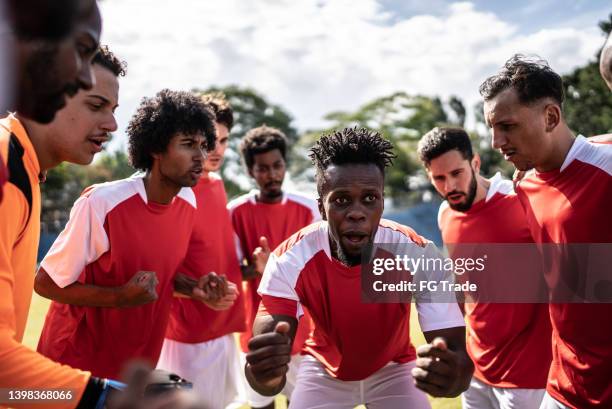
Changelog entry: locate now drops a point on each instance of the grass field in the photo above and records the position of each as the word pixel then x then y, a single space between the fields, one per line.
pixel 40 305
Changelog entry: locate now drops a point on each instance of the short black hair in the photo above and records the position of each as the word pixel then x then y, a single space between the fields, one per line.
pixel 261 140
pixel 107 59
pixel 438 141
pixel 221 107
pixel 531 77
pixel 350 146
pixel 160 118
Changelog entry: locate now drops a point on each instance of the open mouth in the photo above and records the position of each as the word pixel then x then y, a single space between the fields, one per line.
pixel 98 142
pixel 196 172
pixel 454 198
pixel 508 154
pixel 354 237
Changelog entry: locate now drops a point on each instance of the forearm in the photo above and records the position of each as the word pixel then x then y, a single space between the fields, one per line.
pixel 86 295
pixel 184 285
pixel 249 272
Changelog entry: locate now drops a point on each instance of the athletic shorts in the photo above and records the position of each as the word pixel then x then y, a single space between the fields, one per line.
pixel 482 396
pixel 390 387
pixel 213 367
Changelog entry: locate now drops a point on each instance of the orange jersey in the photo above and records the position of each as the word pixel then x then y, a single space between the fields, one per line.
pixel 20 367
pixel 509 343
pixel 572 205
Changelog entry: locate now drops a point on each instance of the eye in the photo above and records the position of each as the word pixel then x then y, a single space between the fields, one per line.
pixel 370 198
pixel 95 107
pixel 341 200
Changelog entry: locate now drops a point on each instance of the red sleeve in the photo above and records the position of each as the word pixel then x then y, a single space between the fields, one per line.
pixel 271 305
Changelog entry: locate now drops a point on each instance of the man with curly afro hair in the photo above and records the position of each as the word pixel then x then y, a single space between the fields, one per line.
pixel 117 261
pixel 358 353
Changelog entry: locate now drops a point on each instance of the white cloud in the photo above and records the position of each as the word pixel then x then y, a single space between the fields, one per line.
pixel 314 57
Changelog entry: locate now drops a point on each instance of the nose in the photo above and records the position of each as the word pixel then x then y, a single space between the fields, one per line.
pixel 110 124
pixel 356 213
pixel 449 185
pixel 498 139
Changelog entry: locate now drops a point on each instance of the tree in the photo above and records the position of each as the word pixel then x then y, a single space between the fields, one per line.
pixel 403 119
pixel 65 183
pixel 588 103
pixel 251 110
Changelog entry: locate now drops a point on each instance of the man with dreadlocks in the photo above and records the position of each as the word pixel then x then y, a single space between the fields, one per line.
pixel 357 353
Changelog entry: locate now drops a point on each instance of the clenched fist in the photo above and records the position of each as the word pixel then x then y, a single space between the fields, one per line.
pixel 141 289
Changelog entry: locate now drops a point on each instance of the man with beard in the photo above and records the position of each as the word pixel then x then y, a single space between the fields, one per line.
pixel 113 270
pixel 508 343
pixel 263 219
pixel 566 202
pixel 358 353
pixel 28 156
pixel 52 58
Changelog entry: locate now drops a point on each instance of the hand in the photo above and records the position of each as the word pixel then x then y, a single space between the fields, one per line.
pixel 226 301
pixel 269 355
pixel 139 290
pixel 261 255
pixel 135 396
pixel 210 288
pixel 438 370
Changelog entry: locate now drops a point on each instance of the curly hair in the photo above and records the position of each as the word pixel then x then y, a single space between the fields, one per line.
pixel 160 118
pixel 531 77
pixel 438 141
pixel 261 140
pixel 108 60
pixel 350 146
pixel 221 107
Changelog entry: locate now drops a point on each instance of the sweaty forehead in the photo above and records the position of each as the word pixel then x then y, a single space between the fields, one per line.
pixel 502 105
pixel 91 24
pixel 353 176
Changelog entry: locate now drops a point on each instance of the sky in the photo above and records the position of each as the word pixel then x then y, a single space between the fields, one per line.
pixel 317 56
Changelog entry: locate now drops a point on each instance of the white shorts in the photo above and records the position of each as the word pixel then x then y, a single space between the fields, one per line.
pixel 213 367
pixel 256 400
pixel 390 387
pixel 483 396
pixel 551 403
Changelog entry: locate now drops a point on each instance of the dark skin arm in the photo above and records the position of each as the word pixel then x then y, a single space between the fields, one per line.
pixel 213 290
pixel 443 367
pixel 269 353
pixel 139 290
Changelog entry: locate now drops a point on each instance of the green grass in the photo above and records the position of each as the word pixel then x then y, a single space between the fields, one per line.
pixel 39 307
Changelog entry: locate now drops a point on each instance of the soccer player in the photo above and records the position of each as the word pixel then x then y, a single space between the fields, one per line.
pixel 53 58
pixel 566 201
pixel 200 345
pixel 124 243
pixel 358 353
pixel 264 219
pixel 508 343
pixel 29 154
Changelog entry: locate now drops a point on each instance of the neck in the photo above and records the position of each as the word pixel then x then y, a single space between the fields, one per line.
pixel 159 188
pixel 40 137
pixel 269 200
pixel 482 188
pixel 563 141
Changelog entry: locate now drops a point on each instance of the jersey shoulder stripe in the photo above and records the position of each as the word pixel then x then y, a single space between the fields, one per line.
pixel 598 155
pixel 305 201
pixel 241 200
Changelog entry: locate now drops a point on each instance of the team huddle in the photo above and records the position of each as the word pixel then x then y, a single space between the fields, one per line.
pixel 235 303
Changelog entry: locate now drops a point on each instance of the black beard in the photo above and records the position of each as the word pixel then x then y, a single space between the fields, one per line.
pixel 471 195
pixel 341 256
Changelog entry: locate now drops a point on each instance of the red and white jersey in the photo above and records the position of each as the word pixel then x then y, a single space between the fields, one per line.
pixel 509 343
pixel 113 233
pixel 350 338
pixel 572 205
pixel 251 220
pixel 212 248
